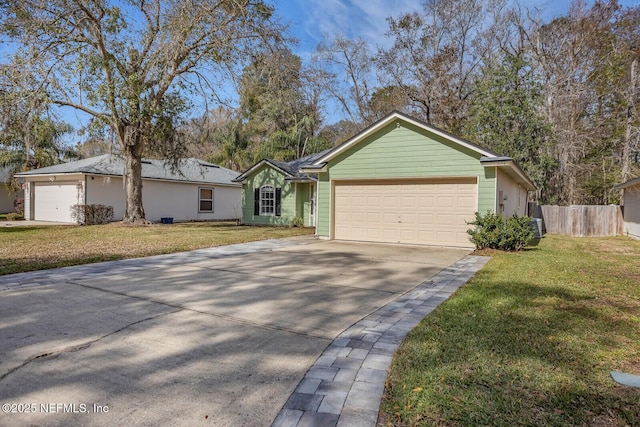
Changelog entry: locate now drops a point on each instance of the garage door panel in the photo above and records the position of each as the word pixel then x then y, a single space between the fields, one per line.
pixel 462 219
pixel 426 235
pixel 426 219
pixel 425 212
pixel 446 220
pixel 390 218
pixel 374 233
pixel 374 200
pixel 388 234
pixel 409 202
pixel 53 201
pixel 462 238
pixel 359 201
pixel 427 201
pixel 358 217
pixel 374 217
pixel 390 200
pixel 411 218
pixel 445 202
pixel 466 202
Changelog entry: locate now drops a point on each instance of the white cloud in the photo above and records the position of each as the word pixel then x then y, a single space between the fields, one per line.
pixel 312 19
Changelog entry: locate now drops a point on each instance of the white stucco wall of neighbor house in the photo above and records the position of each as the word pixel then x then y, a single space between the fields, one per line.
pixel 632 211
pixel 514 196
pixel 161 199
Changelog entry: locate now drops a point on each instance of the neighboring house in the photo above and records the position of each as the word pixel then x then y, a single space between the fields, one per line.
pixel 7 197
pixel 275 192
pixel 631 203
pixel 197 191
pixel 398 181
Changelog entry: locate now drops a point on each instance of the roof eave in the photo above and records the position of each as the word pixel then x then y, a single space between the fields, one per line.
pixel 627 184
pixel 152 178
pixel 315 168
pixel 301 179
pixel 40 175
pixel 249 171
pixel 511 168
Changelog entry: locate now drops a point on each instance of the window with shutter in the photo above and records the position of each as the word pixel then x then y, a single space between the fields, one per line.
pixel 267 200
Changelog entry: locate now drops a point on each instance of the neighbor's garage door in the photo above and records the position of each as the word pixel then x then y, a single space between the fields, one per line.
pixel 430 212
pixel 53 201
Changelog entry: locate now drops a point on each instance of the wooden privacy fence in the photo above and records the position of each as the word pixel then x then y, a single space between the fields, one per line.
pixel 581 220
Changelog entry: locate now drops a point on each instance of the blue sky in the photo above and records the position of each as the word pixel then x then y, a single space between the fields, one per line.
pixel 310 19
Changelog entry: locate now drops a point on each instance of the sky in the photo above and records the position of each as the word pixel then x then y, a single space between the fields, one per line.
pixel 310 19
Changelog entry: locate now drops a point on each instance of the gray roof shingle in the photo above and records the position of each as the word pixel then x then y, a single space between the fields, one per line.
pixel 293 167
pixel 190 170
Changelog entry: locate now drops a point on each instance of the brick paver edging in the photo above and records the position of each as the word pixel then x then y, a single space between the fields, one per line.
pixel 345 385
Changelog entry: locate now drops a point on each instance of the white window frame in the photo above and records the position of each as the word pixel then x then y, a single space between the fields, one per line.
pixel 267 200
pixel 200 199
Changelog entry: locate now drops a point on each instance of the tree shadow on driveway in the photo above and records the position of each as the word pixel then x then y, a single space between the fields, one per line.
pixel 222 341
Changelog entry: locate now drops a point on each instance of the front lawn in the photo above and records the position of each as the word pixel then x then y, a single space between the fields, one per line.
pixel 529 341
pixel 36 248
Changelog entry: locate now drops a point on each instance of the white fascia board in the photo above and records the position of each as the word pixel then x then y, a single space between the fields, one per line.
pixel 244 175
pixel 314 169
pixel 41 177
pixel 80 175
pixel 512 169
pixel 391 118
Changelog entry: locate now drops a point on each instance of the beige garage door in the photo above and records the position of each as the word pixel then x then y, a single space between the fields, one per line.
pixel 53 201
pixel 414 212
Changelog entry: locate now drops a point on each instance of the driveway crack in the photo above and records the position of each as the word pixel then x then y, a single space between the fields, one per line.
pixel 79 347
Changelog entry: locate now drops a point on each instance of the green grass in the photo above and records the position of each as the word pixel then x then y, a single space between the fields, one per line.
pixel 36 248
pixel 529 341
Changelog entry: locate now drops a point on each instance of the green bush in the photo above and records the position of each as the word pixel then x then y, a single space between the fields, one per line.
pixel 297 222
pixel 493 231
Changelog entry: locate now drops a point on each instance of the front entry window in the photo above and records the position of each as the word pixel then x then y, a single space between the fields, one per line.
pixel 267 200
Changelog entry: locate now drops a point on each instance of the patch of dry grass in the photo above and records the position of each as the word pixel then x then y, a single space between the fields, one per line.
pixel 36 248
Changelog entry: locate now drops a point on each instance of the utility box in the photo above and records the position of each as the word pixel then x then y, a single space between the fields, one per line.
pixel 537 227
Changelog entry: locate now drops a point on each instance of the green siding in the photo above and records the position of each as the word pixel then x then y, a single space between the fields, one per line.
pixel 404 151
pixel 266 175
pixel 294 198
pixel 324 205
pixel 487 192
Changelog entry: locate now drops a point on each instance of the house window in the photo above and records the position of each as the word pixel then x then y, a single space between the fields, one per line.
pixel 205 200
pixel 267 200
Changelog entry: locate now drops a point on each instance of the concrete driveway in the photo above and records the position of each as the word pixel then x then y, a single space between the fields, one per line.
pixel 220 336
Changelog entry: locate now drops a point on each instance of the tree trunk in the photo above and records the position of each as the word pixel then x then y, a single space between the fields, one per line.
pixel 626 149
pixel 134 213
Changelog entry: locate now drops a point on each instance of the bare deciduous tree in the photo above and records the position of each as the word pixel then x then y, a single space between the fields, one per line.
pixel 131 64
pixel 437 53
pixel 349 76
